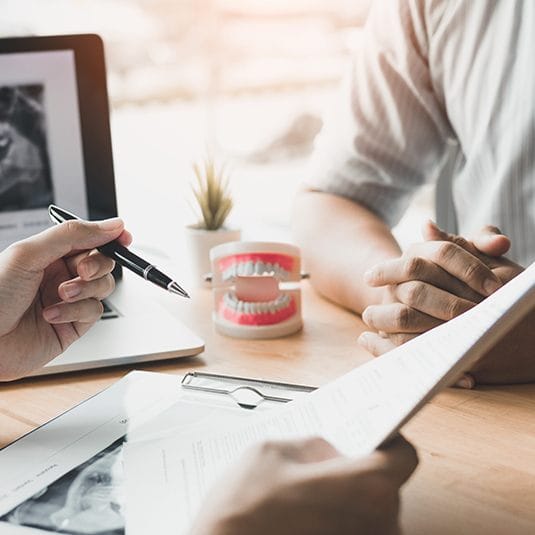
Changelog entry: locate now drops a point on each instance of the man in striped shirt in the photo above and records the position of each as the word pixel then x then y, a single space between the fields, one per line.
pixel 439 91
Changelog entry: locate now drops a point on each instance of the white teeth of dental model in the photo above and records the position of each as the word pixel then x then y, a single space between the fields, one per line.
pixel 245 307
pixel 249 268
pixel 229 273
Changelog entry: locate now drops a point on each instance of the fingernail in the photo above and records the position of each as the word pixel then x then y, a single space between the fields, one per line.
pixel 72 290
pixel 368 276
pixel 90 268
pixel 50 314
pixel 111 224
pixel 491 238
pixel 491 285
pixel 465 382
pixel 363 338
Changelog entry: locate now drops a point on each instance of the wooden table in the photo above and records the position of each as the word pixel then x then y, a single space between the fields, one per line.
pixel 477 448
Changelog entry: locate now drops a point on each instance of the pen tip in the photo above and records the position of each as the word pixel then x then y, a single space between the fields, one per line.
pixel 176 289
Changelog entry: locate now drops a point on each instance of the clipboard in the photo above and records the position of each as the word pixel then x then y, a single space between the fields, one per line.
pixel 42 466
pixel 248 393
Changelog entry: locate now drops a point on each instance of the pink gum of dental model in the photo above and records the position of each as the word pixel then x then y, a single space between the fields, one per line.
pixel 252 297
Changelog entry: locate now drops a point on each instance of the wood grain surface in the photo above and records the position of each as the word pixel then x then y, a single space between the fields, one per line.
pixel 477 448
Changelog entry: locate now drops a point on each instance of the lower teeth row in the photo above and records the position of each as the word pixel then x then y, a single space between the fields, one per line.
pixel 246 307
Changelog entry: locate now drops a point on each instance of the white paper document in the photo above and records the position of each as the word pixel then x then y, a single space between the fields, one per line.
pixel 67 476
pixel 168 478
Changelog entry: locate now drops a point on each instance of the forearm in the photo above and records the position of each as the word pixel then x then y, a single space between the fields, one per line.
pixel 340 240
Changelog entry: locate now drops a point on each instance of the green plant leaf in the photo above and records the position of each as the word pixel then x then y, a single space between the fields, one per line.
pixel 212 194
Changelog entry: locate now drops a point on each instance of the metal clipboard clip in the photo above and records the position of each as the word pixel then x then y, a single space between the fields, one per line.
pixel 247 393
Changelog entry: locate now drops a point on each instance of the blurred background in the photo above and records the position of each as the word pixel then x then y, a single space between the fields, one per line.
pixel 246 80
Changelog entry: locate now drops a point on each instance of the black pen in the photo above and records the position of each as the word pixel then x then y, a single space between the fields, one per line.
pixel 124 257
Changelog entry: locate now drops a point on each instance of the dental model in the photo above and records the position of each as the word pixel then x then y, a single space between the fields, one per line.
pixel 255 288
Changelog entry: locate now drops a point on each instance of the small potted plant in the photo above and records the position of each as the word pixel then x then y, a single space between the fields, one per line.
pixel 214 204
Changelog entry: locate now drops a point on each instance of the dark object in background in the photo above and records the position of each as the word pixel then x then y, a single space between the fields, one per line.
pixel 25 177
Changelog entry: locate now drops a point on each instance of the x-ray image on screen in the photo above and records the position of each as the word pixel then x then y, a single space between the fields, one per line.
pixel 25 178
pixel 41 151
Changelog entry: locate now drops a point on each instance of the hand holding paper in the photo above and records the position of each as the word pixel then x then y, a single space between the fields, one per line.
pixel 308 487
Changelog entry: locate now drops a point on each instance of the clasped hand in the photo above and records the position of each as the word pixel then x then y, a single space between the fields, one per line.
pixel 433 282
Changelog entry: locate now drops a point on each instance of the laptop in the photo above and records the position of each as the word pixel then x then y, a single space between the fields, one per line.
pixel 55 147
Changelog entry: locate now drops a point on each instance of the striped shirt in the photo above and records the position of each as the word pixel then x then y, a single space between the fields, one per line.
pixel 440 90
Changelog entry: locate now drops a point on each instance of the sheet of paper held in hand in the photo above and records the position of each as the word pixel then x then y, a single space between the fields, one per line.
pixel 168 478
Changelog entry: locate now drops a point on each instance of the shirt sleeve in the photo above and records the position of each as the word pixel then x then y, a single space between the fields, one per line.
pixel 386 133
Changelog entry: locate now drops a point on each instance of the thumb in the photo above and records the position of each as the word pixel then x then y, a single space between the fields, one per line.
pixel 39 251
pixel 490 241
pixel 431 232
pixel 395 460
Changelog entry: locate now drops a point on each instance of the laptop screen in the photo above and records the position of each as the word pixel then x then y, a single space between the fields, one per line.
pixel 41 157
pixel 54 133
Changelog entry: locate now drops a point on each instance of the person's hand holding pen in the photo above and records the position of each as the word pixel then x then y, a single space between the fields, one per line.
pixel 51 286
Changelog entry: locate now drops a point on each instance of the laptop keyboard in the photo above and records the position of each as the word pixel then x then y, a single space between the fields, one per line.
pixel 109 311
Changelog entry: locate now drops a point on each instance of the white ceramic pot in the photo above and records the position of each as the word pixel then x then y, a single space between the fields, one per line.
pixel 199 242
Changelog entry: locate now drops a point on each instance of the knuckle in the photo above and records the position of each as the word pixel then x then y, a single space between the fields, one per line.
pixel 473 271
pixel 80 229
pixel 110 284
pixel 446 251
pixel 72 227
pixel 413 293
pixel 414 266
pixel 17 253
pixel 454 308
pixel 399 339
pixel 402 318
pixel 461 242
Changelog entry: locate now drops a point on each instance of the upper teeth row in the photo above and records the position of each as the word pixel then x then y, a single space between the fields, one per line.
pixel 246 307
pixel 245 269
